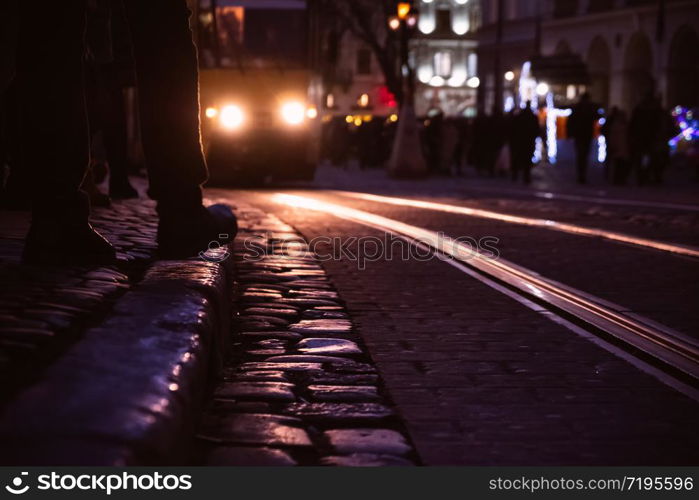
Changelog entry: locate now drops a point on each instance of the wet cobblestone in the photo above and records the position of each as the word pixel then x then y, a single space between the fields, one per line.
pixel 299 387
pixel 44 310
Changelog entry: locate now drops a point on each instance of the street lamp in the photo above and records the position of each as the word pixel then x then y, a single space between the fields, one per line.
pixel 403 22
pixel 403 10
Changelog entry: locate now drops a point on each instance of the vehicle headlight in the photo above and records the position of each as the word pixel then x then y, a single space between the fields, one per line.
pixel 232 117
pixel 312 113
pixel 211 112
pixel 293 113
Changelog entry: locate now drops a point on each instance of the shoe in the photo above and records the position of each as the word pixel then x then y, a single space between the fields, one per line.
pixel 185 235
pixel 60 234
pixel 67 245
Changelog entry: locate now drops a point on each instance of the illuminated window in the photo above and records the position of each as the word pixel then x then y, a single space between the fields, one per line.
pixel 472 64
pixel 363 101
pixel 443 64
pixel 476 17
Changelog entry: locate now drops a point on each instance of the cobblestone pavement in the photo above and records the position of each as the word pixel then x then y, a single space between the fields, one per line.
pixel 657 285
pixel 44 310
pixel 299 387
pixel 401 363
pixel 480 379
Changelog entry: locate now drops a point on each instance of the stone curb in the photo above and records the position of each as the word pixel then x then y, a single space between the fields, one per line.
pixel 131 388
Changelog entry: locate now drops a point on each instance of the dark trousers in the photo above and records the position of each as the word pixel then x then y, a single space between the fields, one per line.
pixel 54 131
pixel 521 161
pixel 582 154
pixel 107 114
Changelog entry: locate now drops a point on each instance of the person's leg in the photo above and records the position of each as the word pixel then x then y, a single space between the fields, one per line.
pixel 514 168
pixel 18 184
pixel 116 141
pixel 168 86
pixel 53 122
pixel 527 166
pixel 582 152
pixel 54 133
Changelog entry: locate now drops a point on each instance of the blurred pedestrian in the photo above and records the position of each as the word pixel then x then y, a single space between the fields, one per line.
pixel 14 186
pixel 581 126
pixel 339 139
pixel 109 72
pixel 450 142
pixel 15 191
pixel 50 76
pixel 388 136
pixel 524 129
pixel 461 127
pixel 369 142
pixel 651 128
pixel 434 140
pixel 616 134
pixel 489 138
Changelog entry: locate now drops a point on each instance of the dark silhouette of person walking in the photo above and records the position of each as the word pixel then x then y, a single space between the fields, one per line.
pixel 523 133
pixel 616 133
pixel 581 125
pixel 50 67
pixel 650 129
pixel 109 72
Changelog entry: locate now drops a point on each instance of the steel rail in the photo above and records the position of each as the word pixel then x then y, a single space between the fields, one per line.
pixel 591 198
pixel 670 348
pixel 564 227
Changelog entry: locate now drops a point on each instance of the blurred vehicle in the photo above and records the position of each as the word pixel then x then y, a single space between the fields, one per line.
pixel 257 91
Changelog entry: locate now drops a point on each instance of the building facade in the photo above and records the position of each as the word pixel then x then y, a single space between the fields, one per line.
pixel 443 53
pixel 630 47
pixel 626 48
pixel 354 83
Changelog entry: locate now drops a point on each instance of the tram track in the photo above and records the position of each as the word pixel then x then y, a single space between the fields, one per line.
pixel 564 227
pixel 668 354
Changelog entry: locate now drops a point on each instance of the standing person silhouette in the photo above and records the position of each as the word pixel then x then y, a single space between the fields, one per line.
pixel 523 134
pixel 581 127
pixel 54 132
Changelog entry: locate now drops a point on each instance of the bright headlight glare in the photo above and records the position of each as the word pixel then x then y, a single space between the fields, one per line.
pixel 232 117
pixel 312 113
pixel 293 113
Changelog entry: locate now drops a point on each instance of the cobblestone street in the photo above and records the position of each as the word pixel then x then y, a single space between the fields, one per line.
pixel 309 346
pixel 480 379
pixel 299 387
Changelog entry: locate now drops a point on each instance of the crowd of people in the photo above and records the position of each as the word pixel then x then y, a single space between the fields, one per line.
pixel 639 145
pixel 504 144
